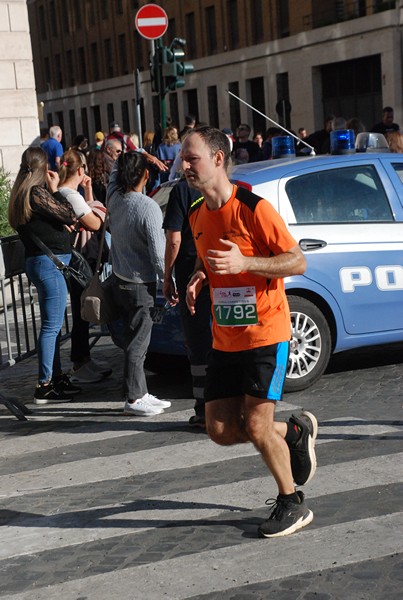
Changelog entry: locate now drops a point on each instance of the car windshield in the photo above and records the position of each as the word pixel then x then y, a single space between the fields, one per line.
pixel 344 195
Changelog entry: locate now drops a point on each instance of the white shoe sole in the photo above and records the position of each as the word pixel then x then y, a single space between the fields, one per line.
pixel 311 444
pixel 160 404
pixel 302 522
pixel 43 401
pixel 132 413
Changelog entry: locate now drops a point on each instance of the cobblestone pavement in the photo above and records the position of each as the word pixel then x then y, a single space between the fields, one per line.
pixel 95 505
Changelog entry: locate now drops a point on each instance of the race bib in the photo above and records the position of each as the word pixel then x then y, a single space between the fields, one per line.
pixel 235 307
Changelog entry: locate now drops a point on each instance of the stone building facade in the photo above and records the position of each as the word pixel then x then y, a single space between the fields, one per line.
pixel 19 124
pixel 294 61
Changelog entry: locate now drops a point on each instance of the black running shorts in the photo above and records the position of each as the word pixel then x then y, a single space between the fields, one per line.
pixel 259 372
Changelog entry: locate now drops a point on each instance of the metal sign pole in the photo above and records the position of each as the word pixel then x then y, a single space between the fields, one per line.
pixel 138 97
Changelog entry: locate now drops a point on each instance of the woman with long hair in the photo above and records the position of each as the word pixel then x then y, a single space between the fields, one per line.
pixel 395 141
pixel 168 150
pixel 97 170
pixel 37 208
pixel 90 214
pixel 137 256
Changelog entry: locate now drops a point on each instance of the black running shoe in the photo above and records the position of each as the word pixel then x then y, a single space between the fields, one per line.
pixel 48 394
pixel 302 452
pixel 63 385
pixel 197 421
pixel 286 517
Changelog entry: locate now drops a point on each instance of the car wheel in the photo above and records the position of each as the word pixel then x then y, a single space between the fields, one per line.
pixel 310 345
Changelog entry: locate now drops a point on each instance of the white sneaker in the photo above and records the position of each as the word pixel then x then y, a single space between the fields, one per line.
pixel 154 401
pixel 141 408
pixel 85 375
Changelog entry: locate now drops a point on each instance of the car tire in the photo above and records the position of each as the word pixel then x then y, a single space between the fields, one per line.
pixel 311 345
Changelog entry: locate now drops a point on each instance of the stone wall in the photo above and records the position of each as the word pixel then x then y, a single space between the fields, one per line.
pixel 19 124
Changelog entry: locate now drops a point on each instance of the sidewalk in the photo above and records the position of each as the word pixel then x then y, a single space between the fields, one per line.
pixel 19 381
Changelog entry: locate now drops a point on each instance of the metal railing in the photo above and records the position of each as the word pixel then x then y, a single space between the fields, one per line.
pixel 20 319
pixel 19 307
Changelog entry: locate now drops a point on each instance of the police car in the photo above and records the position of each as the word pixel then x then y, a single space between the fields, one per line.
pixel 346 213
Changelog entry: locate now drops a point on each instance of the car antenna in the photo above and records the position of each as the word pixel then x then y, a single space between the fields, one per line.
pixel 312 149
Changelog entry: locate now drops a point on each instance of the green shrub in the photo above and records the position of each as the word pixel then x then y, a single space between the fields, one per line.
pixel 5 189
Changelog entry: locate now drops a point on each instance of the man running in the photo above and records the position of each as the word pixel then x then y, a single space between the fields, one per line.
pixel 244 252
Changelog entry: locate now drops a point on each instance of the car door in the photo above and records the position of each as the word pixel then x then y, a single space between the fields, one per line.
pixel 345 219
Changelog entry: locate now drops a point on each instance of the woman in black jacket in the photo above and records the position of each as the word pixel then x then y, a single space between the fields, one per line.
pixel 37 208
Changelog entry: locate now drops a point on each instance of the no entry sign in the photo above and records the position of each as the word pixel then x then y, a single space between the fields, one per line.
pixel 151 21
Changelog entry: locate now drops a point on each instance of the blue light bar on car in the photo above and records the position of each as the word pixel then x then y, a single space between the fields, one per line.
pixel 283 147
pixel 342 141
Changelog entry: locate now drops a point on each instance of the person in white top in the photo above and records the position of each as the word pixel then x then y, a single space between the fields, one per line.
pixel 90 215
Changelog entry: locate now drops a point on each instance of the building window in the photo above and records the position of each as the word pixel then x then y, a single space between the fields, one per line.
pixel 211 30
pixel 257 99
pixel 192 103
pixel 119 7
pixel 190 36
pixel 48 82
pixel 59 74
pixel 69 68
pixel 125 116
pixel 65 17
pixel 234 108
pixel 123 54
pixel 53 19
pixel 110 112
pixel 105 10
pixel 81 66
pixel 256 19
pixel 233 28
pixel 353 87
pixel 283 19
pixel 84 122
pixel 108 58
pixel 42 23
pixel 73 127
pixel 96 117
pixel 94 60
pixel 171 29
pixel 174 109
pixel 91 13
pixel 212 106
pixel 60 121
pixel 77 14
pixel 138 50
pixel 283 107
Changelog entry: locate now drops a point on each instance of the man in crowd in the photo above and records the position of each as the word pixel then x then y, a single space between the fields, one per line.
pixel 180 257
pixel 244 251
pixel 243 143
pixel 386 125
pixel 53 147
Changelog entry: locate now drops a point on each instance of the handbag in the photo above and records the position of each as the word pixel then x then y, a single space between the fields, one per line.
pixel 78 268
pixel 97 304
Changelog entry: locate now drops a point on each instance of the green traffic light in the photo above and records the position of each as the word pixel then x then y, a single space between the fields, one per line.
pixel 172 67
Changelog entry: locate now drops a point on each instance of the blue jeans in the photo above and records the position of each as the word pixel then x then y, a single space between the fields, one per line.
pixel 52 295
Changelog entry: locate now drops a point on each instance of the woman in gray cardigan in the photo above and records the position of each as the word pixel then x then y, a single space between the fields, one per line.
pixel 137 256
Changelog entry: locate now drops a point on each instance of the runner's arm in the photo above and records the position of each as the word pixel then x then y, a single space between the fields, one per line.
pixel 232 261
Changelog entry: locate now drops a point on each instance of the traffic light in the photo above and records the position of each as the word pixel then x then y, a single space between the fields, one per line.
pixel 174 69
